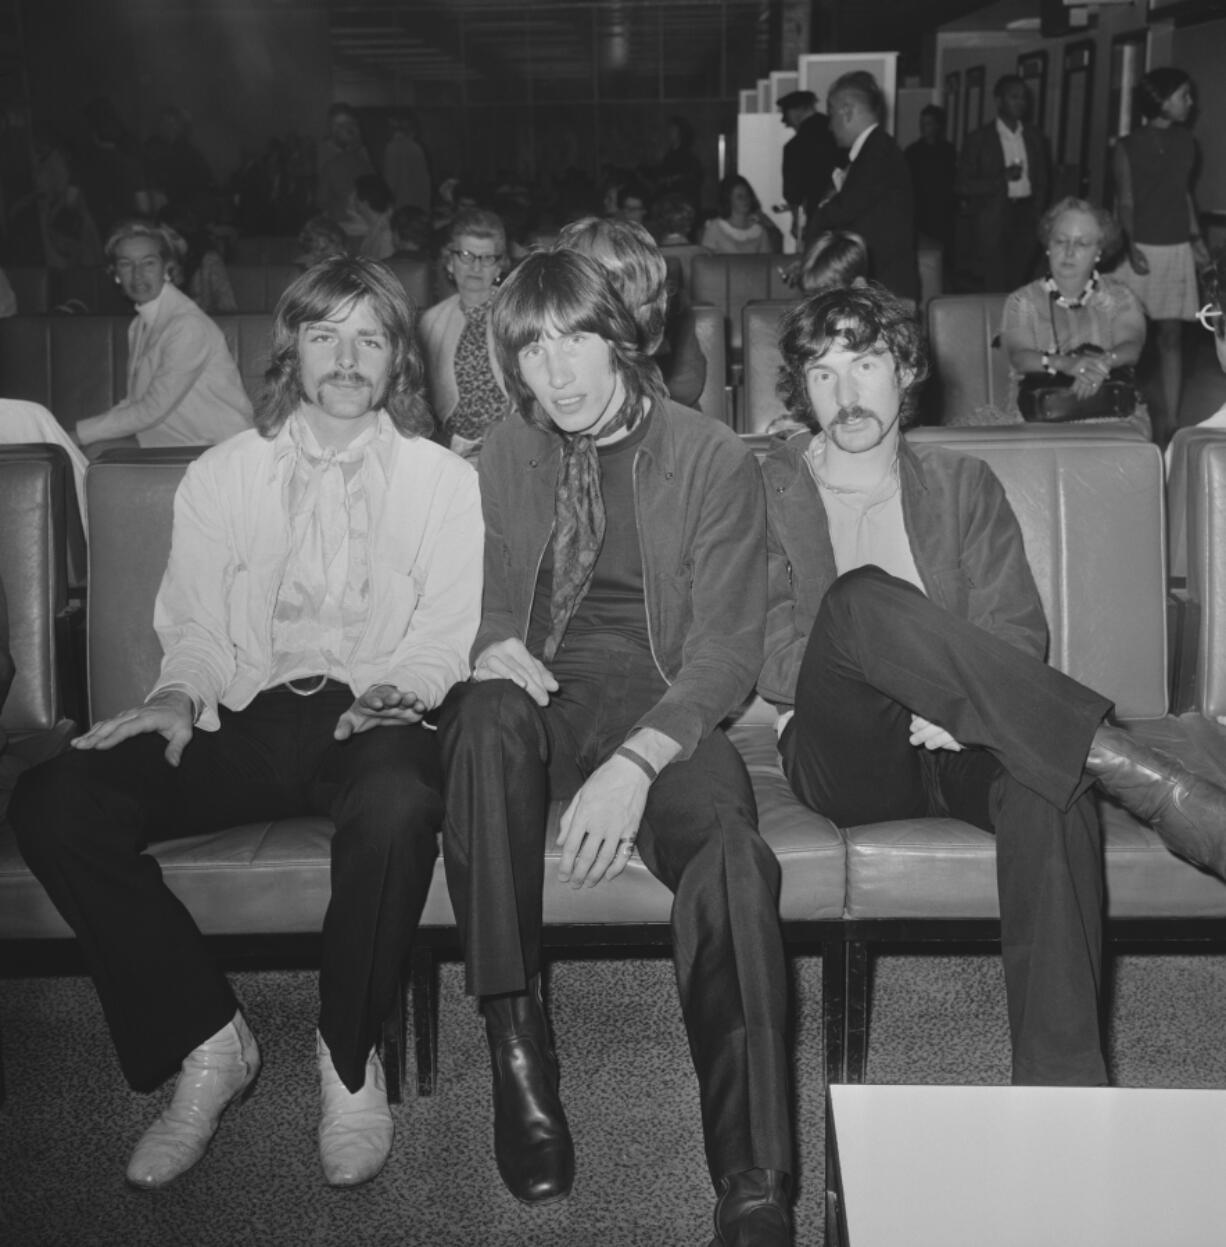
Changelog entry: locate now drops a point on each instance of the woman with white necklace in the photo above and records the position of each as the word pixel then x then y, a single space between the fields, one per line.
pixel 1075 323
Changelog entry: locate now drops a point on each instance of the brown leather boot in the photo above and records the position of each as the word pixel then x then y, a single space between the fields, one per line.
pixel 753 1210
pixel 1187 810
pixel 532 1142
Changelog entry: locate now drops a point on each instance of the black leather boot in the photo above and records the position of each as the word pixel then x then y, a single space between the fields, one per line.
pixel 1187 810
pixel 532 1142
pixel 753 1210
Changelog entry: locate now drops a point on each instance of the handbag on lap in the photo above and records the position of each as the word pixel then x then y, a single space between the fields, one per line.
pixel 1048 398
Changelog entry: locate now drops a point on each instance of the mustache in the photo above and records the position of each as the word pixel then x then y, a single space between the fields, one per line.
pixel 347 378
pixel 845 415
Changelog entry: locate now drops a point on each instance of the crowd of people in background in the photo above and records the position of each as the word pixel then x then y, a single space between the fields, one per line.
pixel 972 215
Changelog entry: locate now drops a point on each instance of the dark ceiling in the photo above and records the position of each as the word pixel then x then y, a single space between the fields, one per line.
pixel 688 46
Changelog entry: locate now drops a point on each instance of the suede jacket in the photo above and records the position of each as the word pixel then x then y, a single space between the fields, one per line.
pixel 964 537
pixel 702 534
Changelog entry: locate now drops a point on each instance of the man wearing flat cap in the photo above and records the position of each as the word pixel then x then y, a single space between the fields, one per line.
pixel 809 157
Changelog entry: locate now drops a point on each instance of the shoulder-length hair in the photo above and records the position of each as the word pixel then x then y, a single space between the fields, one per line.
pixel 635 265
pixel 325 292
pixel 170 243
pixel 560 292
pixel 860 318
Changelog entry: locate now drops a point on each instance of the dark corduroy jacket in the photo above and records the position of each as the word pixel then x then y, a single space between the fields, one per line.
pixel 964 538
pixel 701 523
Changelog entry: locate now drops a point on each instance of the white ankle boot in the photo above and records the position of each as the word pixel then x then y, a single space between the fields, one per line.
pixel 214 1074
pixel 355 1127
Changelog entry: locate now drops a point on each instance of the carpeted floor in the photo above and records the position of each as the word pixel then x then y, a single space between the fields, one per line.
pixel 69 1122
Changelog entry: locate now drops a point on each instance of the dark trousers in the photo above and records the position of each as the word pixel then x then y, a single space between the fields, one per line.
pixel 881 651
pixel 506 758
pixel 84 819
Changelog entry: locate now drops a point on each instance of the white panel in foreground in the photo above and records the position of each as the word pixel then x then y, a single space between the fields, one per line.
pixel 1031 1166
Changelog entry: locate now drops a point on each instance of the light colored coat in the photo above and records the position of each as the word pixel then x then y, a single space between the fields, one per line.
pixel 183 384
pixel 230 543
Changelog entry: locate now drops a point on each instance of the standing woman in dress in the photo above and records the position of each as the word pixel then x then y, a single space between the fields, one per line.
pixel 1153 168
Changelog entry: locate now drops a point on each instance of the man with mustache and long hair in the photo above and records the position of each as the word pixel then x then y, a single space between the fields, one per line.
pixel 323 588
pixel 905 645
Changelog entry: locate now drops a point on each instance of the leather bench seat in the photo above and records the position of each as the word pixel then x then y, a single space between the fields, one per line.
pixel 272 878
pixel 942 869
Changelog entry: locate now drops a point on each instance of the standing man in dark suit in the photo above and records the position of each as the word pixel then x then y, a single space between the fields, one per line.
pixel 809 158
pixel 874 198
pixel 1003 171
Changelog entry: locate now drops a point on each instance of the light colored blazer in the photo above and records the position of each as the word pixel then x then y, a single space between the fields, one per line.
pixel 183 384
pixel 229 547
pixel 439 331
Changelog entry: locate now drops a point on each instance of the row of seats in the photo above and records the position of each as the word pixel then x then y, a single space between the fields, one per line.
pixel 256 286
pixel 77 366
pixel 1092 515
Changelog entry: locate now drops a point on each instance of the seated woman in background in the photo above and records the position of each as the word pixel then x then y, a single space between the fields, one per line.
pixel 183 385
pixel 320 239
pixel 741 228
pixel 1076 323
pixel 466 389
pixel 203 274
pixel 834 259
pixel 639 276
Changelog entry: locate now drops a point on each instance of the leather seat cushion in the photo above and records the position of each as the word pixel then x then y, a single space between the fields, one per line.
pixel 273 878
pixel 943 869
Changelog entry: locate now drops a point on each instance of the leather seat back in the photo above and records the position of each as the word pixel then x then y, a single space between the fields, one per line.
pixel 35 491
pixel 1207 573
pixel 1092 515
pixel 967 370
pixel 762 359
pixel 32 288
pixel 257 287
pixel 1184 451
pixel 263 250
pixel 709 330
pixel 416 274
pixel 75 366
pixel 131 511
pixel 728 282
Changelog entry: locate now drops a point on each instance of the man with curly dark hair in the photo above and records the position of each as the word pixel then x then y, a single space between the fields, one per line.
pixel 905 645
pixel 323 588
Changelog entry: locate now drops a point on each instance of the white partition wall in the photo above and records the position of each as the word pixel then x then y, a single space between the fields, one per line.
pixel 818 71
pixel 759 157
pixel 783 82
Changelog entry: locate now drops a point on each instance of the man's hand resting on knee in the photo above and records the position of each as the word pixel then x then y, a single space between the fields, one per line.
pixel 510 660
pixel 382 705
pixel 168 712
pixel 931 736
pixel 601 822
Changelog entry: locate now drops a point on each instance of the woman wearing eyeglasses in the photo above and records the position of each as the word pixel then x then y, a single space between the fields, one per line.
pixel 466 387
pixel 1077 327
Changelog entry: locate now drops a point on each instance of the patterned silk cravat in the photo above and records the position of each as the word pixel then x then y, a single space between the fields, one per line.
pixel 578 526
